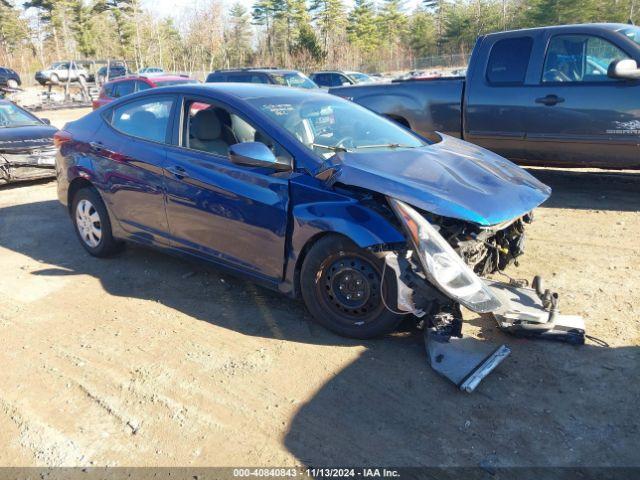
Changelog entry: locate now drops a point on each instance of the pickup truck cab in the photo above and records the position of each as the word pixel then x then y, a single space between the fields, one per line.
pixel 556 96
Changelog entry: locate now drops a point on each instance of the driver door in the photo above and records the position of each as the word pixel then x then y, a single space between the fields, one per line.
pixel 577 114
pixel 235 215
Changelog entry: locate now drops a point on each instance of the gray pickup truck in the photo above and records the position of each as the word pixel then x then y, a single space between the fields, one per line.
pixel 564 96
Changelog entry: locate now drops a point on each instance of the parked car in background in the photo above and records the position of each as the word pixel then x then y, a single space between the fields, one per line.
pixel 26 145
pixel 566 96
pixel 127 85
pixel 301 191
pixel 61 72
pixel 150 71
pixel 114 71
pixel 9 78
pixel 336 78
pixel 288 78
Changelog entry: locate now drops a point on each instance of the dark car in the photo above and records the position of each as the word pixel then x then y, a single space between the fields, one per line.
pixel 9 78
pixel 115 71
pixel 287 78
pixel 128 85
pixel 26 145
pixel 564 96
pixel 303 192
pixel 337 78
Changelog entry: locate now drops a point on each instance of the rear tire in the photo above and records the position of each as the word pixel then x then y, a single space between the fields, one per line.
pixel 92 224
pixel 342 287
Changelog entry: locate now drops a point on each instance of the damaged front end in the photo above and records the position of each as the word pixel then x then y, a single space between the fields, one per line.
pixel 30 163
pixel 440 271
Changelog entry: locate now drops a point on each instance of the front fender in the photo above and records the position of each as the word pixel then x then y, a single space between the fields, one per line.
pixel 347 217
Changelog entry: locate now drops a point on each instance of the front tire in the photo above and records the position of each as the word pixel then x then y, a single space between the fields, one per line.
pixel 92 224
pixel 342 287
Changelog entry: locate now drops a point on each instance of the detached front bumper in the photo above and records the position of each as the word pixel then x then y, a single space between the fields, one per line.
pixel 466 361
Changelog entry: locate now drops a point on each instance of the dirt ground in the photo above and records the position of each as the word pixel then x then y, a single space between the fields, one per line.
pixel 144 359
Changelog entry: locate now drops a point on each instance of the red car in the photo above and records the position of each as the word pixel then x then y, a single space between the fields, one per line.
pixel 124 86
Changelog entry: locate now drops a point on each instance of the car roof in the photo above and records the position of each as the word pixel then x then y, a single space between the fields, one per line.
pixel 243 91
pixel 570 28
pixel 155 78
pixel 259 70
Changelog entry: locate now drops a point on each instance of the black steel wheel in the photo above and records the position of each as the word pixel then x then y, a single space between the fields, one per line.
pixel 342 287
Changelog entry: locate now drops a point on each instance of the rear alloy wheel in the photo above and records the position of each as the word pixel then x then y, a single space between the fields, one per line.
pixel 342 287
pixel 92 224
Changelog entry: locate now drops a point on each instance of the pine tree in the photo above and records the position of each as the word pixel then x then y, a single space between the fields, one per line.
pixel 362 29
pixel 330 17
pixel 238 35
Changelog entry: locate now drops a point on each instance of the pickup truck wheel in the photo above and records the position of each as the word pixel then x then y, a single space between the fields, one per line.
pixel 92 225
pixel 342 287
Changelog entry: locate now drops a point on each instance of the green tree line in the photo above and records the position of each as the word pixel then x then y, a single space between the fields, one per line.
pixel 305 34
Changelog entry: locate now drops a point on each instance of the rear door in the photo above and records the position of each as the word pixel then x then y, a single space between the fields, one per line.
pixel 576 114
pixel 131 152
pixel 494 104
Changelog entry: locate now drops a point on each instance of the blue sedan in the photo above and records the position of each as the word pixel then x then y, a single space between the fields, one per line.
pixel 303 192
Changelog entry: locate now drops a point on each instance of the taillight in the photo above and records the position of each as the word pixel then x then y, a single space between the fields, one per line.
pixel 60 137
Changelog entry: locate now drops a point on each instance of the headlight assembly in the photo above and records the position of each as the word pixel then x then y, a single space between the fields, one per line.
pixel 442 265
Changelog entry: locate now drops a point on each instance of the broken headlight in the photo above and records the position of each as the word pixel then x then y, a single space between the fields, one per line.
pixel 442 265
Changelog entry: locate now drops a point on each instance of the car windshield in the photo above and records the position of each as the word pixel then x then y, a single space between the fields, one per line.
pixel 633 33
pixel 326 124
pixel 13 116
pixel 361 77
pixel 182 81
pixel 294 79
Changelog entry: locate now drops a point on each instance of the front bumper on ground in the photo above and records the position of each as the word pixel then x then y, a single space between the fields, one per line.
pixel 522 311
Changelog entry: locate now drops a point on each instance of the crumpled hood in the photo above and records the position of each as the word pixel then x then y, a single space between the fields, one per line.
pixel 452 178
pixel 22 138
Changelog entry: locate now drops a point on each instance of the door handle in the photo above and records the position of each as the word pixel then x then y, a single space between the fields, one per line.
pixel 178 171
pixel 550 100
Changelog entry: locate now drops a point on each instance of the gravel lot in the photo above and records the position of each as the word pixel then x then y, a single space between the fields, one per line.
pixel 145 359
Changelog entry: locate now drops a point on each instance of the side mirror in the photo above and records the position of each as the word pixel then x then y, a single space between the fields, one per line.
pixel 627 69
pixel 255 154
pixel 46 121
pixel 345 82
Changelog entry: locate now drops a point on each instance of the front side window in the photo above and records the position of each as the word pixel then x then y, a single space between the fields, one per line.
pixel 326 125
pixel 147 118
pixel 579 58
pixel 213 129
pixel 509 60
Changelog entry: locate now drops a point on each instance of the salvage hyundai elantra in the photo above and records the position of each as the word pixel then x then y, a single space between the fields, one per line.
pixel 311 195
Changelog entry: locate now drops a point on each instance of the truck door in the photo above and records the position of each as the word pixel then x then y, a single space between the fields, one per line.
pixel 576 114
pixel 494 115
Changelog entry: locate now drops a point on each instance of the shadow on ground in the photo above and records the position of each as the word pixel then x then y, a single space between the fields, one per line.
pixel 549 404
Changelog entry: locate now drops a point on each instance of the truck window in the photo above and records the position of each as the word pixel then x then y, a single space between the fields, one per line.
pixel 509 60
pixel 579 58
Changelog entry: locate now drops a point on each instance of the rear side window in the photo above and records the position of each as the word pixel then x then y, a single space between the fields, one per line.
pixel 142 86
pixel 147 118
pixel 216 77
pixel 509 60
pixel 121 89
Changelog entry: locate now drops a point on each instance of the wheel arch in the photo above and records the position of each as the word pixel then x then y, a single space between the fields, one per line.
pixel 334 219
pixel 76 185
